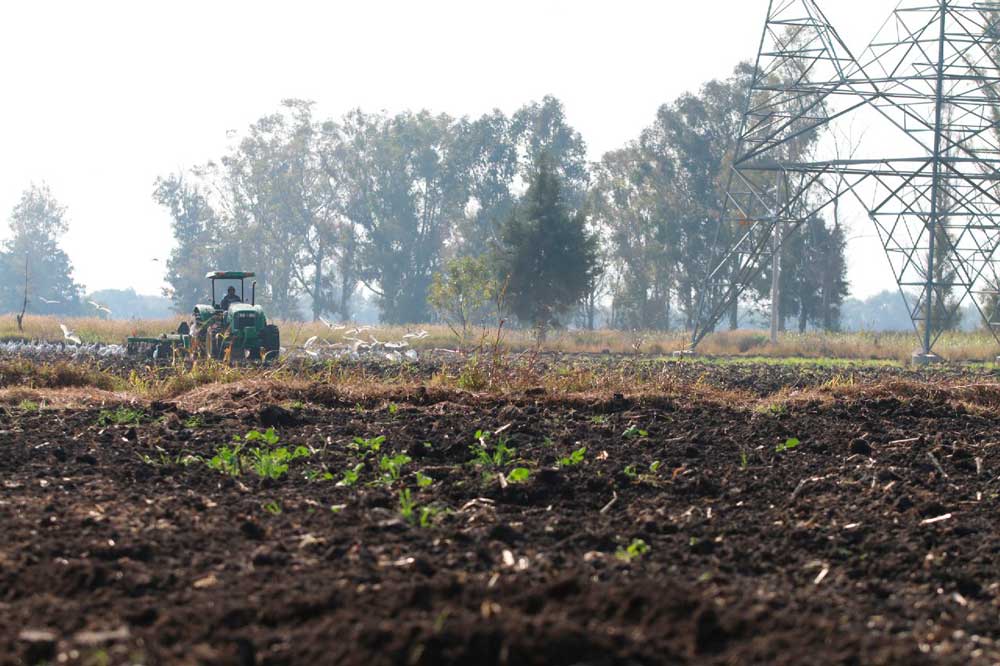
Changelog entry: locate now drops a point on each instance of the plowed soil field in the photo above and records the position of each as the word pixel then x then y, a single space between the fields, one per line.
pixel 845 523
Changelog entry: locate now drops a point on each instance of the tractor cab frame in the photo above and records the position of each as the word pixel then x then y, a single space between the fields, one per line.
pixel 241 277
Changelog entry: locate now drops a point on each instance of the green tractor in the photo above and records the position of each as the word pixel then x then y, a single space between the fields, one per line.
pixel 231 331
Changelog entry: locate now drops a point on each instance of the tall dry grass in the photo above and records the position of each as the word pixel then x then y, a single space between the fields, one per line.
pixel 957 346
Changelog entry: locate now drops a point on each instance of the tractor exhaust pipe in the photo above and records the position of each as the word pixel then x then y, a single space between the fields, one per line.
pixel 253 293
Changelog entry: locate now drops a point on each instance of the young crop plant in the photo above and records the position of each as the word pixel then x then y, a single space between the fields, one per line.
pixel 519 475
pixel 195 421
pixel 351 475
pixel 272 508
pixel 423 481
pixel 500 455
pixel 634 432
pixel 322 474
pixel 368 446
pixel 267 463
pixel 226 460
pixel 789 444
pixel 422 516
pixel 269 437
pixel 407 505
pixel 273 463
pixel 29 406
pixel 636 549
pixel 392 467
pixel 120 416
pixel 574 458
pixel 164 459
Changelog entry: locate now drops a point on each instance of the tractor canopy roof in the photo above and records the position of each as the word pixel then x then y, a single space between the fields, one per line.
pixel 228 275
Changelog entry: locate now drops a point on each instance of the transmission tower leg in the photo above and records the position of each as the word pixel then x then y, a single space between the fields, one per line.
pixel 776 284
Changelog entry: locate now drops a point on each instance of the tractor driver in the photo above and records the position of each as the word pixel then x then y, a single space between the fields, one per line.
pixel 230 298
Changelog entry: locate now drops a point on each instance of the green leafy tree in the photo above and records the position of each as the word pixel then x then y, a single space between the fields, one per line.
pixel 547 256
pixel 540 130
pixel 195 228
pixel 462 294
pixel 37 223
pixel 630 201
pixel 406 185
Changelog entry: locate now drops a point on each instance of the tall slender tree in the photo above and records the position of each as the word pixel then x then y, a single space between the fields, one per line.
pixel 548 259
pixel 37 223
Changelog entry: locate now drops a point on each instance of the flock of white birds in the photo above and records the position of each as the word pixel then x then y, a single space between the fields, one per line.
pixel 351 345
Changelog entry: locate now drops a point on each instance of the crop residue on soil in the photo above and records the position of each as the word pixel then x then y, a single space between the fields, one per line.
pixel 856 530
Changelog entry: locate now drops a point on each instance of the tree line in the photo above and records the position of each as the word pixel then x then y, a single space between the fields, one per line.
pixel 437 217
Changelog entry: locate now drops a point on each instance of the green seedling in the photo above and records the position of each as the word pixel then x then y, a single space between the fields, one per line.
pixel 789 444
pixel 273 464
pixel 407 505
pixel 574 458
pixel 164 459
pixel 351 475
pixel 266 463
pixel 269 437
pixel 195 421
pixel 393 409
pixel 120 416
pixel 392 467
pixel 744 460
pixel 599 419
pixel 413 514
pixel 634 432
pixel 272 508
pixel 636 549
pixel 369 445
pixel 654 467
pixel 28 406
pixel 423 480
pixel 501 455
pixel 226 460
pixel 519 475
pixel 631 472
pixel 318 475
pixel 427 515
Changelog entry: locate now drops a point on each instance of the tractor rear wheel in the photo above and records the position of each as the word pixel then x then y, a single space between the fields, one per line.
pixel 270 339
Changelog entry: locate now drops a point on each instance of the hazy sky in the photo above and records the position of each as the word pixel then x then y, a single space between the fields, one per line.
pixel 102 97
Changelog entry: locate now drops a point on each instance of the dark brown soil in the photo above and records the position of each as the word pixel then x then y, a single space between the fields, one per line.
pixel 873 541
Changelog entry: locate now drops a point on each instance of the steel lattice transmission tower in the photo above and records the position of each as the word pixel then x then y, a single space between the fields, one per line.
pixel 928 87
